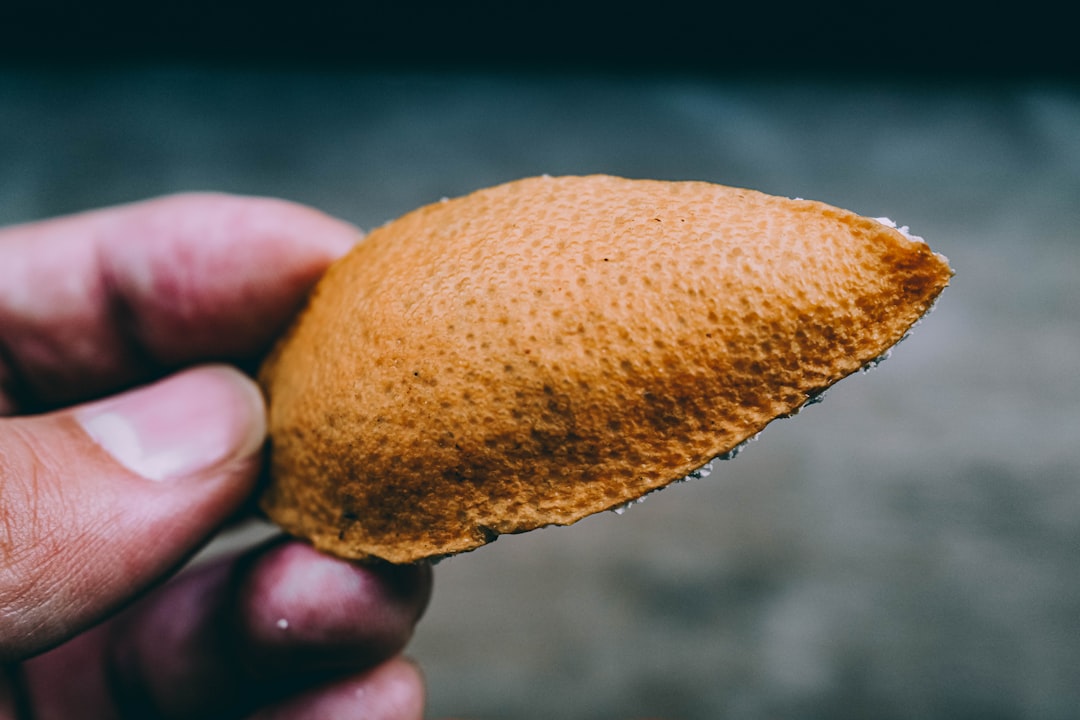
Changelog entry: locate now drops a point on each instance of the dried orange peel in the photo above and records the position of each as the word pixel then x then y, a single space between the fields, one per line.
pixel 539 351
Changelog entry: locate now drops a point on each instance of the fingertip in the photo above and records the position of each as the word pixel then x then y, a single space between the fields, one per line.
pixel 317 229
pixel 398 690
pixel 106 499
pixel 278 622
pixel 392 691
pixel 216 275
pixel 296 601
pixel 261 216
pixel 185 425
pixel 96 302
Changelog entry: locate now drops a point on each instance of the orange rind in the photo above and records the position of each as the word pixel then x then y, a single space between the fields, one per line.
pixel 546 349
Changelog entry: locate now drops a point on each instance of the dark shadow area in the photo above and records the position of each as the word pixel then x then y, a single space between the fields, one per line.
pixel 918 38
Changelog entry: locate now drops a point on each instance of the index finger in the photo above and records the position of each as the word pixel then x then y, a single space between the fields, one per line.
pixel 94 302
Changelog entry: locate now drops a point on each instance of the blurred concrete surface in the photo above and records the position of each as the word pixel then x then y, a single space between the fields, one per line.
pixel 910 548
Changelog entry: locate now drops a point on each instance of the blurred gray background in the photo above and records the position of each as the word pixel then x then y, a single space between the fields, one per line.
pixel 909 548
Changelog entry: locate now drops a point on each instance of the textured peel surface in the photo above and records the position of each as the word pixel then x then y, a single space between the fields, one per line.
pixel 542 350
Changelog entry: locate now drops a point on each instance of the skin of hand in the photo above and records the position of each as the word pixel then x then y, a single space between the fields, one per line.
pixel 129 437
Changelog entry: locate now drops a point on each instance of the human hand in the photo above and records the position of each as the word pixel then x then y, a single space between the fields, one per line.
pixel 106 490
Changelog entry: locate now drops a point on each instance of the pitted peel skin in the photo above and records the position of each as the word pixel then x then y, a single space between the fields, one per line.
pixel 542 350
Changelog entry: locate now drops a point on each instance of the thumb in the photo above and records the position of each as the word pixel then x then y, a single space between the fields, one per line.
pixel 99 501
